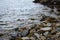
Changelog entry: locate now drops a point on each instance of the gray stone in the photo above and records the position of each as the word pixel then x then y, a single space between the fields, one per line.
pixel 58 29
pixel 13 34
pixel 19 34
pixel 24 33
pixel 1 38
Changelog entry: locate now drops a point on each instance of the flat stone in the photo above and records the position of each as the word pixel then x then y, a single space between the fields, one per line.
pixel 46 28
pixel 24 38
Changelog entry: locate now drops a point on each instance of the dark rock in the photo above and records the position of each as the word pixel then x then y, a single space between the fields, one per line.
pixel 53 33
pixel 1 35
pixel 51 39
pixel 16 29
pixel 52 11
pixel 12 39
pixel 36 1
pixel 18 19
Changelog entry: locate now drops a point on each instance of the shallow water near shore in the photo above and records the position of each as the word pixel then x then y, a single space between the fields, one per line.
pixel 12 10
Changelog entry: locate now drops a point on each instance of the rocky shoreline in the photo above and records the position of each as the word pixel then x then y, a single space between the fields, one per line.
pixel 48 28
pixel 50 3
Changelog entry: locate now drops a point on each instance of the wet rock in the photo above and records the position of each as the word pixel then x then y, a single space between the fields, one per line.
pixel 16 29
pixel 3 23
pixel 50 3
pixel 43 18
pixel 24 33
pixel 20 19
pixel 49 19
pixel 40 1
pixel 14 35
pixel 32 18
pixel 51 10
pixel 36 1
